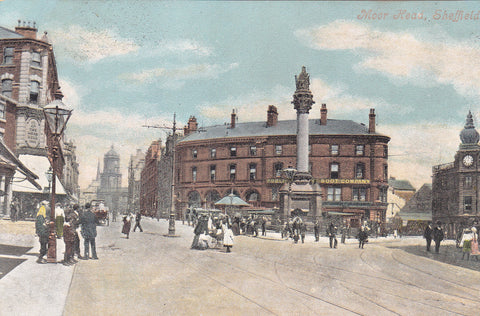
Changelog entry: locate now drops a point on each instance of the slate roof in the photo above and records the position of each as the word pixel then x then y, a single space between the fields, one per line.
pixel 6 33
pixel 400 184
pixel 288 127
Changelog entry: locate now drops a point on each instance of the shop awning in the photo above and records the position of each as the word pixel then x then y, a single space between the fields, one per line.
pixel 8 159
pixel 340 213
pixel 39 165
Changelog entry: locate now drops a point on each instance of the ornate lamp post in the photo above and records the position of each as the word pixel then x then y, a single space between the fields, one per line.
pixel 289 174
pixel 56 117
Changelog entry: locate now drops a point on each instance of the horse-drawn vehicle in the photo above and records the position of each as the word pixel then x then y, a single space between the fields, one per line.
pixel 100 211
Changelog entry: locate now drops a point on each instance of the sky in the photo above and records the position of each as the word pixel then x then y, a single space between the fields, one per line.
pixel 126 64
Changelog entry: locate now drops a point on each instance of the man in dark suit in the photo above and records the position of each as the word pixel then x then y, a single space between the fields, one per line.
pixel 438 235
pixel 89 231
pixel 427 234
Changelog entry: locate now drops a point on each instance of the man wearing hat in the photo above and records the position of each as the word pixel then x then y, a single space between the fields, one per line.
pixel 438 235
pixel 89 231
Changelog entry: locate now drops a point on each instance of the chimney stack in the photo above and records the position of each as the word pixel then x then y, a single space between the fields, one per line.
pixel 323 114
pixel 191 126
pixel 272 116
pixel 233 119
pixel 27 30
pixel 371 121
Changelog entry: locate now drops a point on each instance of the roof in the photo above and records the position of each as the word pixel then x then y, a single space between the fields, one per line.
pixel 400 184
pixel 232 200
pixel 7 34
pixel 288 127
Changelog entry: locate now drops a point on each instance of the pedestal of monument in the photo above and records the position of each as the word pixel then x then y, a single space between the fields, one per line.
pixel 303 195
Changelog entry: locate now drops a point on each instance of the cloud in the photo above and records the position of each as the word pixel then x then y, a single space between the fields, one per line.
pixel 179 46
pixel 94 132
pixel 339 102
pixel 88 46
pixel 179 74
pixel 402 56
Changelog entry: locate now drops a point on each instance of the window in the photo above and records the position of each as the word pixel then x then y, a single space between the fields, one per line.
pixel 360 171
pixel 359 150
pixel 194 174
pixel 233 171
pixel 334 194
pixel 278 149
pixel 309 149
pixel 334 171
pixel 213 152
pixel 212 173
pixel 385 151
pixel 385 172
pixel 34 87
pixel 2 113
pixel 233 151
pixel 253 171
pixel 253 150
pixel 334 150
pixel 467 203
pixel 359 194
pixel 275 194
pixel 383 194
pixel 468 182
pixel 194 153
pixel 36 61
pixel 8 55
pixel 277 169
pixel 7 87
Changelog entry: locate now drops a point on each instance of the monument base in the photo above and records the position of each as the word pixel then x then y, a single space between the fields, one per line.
pixel 303 198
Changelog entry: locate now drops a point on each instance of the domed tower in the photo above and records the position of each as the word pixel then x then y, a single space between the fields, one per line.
pixel 111 177
pixel 469 135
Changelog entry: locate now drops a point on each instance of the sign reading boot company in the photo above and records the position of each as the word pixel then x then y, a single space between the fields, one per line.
pixel 324 181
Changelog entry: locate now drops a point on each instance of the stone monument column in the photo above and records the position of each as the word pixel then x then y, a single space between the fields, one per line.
pixel 302 101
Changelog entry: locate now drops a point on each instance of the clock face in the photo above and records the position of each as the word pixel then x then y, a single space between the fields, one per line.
pixel 468 160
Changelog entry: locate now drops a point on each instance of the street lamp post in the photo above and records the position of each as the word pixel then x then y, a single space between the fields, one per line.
pixel 49 174
pixel 56 117
pixel 289 174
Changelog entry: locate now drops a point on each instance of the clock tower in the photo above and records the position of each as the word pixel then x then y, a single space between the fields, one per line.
pixel 456 185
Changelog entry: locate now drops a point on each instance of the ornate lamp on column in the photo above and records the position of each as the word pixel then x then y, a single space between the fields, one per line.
pixel 56 117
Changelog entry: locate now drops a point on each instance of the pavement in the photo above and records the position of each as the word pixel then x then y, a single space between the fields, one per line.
pixel 150 274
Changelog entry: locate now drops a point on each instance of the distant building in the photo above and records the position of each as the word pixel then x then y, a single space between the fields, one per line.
pixel 110 187
pixel 135 167
pixel 399 192
pixel 419 208
pixel 149 180
pixel 456 185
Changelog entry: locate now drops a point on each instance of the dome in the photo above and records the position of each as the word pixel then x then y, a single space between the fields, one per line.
pixel 111 153
pixel 469 134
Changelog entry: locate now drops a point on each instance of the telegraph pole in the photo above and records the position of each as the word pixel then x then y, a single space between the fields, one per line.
pixel 171 223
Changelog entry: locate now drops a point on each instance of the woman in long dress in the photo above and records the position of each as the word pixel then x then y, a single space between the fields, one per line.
pixel 126 225
pixel 475 252
pixel 228 238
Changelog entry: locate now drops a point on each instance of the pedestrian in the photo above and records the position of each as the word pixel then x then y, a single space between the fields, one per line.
pixel 198 230
pixel 114 216
pixel 316 230
pixel 89 232
pixel 438 235
pixel 344 234
pixel 228 238
pixel 475 252
pixel 59 219
pixel 138 218
pixel 126 225
pixel 428 234
pixel 69 239
pixel 14 210
pixel 362 237
pixel 264 226
pixel 303 230
pixel 41 229
pixel 75 223
pixel 332 235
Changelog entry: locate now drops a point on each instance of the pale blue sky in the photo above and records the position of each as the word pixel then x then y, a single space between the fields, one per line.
pixel 123 64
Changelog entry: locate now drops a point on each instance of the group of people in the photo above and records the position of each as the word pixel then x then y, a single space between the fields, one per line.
pixel 295 228
pixel 212 231
pixel 66 225
pixel 127 223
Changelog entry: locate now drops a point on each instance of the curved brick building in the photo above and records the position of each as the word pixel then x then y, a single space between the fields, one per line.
pixel 349 160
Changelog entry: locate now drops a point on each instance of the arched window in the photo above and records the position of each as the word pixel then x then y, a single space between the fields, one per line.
pixel 194 199
pixel 252 196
